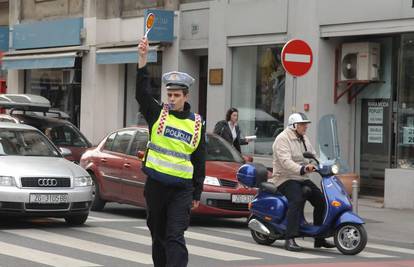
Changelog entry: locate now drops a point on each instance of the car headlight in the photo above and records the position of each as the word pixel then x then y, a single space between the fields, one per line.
pixel 82 181
pixel 209 180
pixel 7 181
pixel 334 169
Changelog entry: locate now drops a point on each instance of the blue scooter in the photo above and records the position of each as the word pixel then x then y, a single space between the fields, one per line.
pixel 268 220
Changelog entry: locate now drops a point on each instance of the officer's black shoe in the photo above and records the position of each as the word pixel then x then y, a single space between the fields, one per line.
pixel 322 243
pixel 291 245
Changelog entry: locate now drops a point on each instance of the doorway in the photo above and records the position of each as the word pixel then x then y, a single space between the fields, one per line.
pixel 202 96
pixel 375 122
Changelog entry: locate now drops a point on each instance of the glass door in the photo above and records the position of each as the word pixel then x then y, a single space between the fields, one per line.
pixel 405 128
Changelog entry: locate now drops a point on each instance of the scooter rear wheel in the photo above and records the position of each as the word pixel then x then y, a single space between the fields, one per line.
pixel 350 239
pixel 262 239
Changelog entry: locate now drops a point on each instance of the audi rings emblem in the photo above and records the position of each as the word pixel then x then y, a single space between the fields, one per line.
pixel 47 182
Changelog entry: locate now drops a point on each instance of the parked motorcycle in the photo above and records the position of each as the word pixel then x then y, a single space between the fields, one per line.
pixel 268 220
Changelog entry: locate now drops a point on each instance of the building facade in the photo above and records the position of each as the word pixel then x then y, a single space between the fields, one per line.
pixel 358 92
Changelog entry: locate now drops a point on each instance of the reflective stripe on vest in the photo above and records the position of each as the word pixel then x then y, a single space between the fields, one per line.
pixel 173 140
pixel 168 152
pixel 170 165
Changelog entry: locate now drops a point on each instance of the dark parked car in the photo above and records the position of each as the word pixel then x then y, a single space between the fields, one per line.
pixel 116 170
pixel 34 111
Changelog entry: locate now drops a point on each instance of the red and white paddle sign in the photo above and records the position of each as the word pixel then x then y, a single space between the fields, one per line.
pixel 297 57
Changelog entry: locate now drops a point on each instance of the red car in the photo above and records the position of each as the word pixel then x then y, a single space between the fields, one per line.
pixel 116 169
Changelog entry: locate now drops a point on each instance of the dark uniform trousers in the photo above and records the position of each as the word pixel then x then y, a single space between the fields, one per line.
pixel 168 216
pixel 292 189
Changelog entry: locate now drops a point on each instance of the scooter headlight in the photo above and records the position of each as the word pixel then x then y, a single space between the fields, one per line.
pixel 334 169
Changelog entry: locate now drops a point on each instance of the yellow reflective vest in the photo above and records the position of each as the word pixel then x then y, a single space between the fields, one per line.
pixel 172 142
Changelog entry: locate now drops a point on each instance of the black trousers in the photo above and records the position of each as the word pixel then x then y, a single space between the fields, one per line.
pixel 168 216
pixel 292 189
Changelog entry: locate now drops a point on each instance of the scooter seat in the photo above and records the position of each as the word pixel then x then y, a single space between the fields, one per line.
pixel 269 188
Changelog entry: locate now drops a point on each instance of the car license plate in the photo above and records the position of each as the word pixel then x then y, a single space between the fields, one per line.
pixel 48 198
pixel 241 198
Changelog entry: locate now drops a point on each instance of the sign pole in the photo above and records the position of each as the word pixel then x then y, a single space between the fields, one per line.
pixel 294 94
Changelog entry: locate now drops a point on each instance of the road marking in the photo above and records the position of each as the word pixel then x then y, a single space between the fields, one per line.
pixel 366 254
pixel 101 219
pixel 247 245
pixel 84 245
pixel 391 248
pixel 41 257
pixel 363 254
pixel 245 233
pixel 144 240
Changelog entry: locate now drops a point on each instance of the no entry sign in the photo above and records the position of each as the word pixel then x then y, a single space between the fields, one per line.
pixel 297 57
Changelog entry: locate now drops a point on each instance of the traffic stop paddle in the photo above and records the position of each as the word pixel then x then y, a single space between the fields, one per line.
pixel 149 23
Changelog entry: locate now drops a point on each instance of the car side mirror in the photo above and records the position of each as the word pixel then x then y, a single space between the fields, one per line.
pixel 141 155
pixel 65 151
pixel 247 158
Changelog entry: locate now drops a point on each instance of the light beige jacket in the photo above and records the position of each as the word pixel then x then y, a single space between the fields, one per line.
pixel 288 157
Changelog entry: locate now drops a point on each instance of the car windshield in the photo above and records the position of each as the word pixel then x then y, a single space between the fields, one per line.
pixel 219 150
pixel 16 142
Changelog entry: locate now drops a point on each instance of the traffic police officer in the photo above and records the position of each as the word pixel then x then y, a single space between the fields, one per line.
pixel 174 162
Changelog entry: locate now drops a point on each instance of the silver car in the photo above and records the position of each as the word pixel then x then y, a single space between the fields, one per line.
pixel 35 179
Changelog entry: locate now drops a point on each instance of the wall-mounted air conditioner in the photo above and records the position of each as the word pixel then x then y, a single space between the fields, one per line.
pixel 360 61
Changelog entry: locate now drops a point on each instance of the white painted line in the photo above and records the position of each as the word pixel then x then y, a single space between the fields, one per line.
pixel 247 246
pixel 100 219
pixel 391 248
pixel 144 240
pixel 231 231
pixel 42 257
pixel 363 254
pixel 302 58
pixel 84 245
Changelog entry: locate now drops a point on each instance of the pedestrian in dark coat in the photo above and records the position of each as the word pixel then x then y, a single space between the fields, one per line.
pixel 230 130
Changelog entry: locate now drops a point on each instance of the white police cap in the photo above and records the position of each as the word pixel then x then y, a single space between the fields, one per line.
pixel 176 79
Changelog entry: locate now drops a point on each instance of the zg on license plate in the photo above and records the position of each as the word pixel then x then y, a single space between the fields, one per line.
pixel 241 198
pixel 48 198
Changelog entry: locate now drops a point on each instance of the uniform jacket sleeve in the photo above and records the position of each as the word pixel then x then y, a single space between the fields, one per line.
pixel 198 159
pixel 148 106
pixel 284 154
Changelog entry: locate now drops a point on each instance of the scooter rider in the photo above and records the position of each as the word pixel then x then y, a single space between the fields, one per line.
pixel 290 175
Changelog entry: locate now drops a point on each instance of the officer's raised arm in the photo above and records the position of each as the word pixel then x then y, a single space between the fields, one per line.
pixel 148 106
pixel 142 52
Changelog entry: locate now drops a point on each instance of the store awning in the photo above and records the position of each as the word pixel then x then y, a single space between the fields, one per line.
pixel 123 55
pixel 40 61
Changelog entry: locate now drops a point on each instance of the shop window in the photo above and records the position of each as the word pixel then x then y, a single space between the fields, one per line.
pixel 62 87
pixel 132 114
pixel 258 92
pixel 405 147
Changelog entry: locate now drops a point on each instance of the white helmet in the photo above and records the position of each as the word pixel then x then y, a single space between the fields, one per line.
pixel 298 117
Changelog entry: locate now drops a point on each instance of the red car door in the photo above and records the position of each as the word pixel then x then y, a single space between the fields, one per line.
pixel 134 178
pixel 112 162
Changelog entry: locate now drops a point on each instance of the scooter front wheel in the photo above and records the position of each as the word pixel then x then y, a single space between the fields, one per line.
pixel 262 239
pixel 350 239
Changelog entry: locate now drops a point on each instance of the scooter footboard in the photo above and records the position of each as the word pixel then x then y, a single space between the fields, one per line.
pixel 349 217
